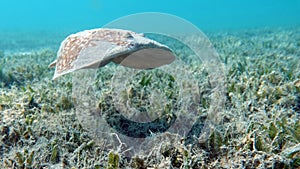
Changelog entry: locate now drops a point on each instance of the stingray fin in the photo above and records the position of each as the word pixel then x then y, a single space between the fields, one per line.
pixel 52 64
pixel 100 54
pixel 147 58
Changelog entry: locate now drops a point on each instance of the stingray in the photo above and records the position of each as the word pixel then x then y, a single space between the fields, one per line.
pixel 97 47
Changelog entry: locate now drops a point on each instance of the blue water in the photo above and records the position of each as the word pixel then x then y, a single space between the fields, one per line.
pixel 75 15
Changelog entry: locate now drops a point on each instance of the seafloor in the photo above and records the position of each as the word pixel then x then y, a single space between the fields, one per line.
pixel 259 126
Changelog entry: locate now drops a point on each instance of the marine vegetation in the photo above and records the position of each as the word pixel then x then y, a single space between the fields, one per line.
pixel 260 125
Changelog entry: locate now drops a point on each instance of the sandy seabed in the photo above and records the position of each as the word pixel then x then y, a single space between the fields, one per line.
pixel 259 125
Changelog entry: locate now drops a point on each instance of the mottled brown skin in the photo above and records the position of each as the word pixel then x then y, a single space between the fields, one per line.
pixel 73 44
pixel 125 41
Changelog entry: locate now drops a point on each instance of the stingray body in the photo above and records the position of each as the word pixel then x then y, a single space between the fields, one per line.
pixel 97 47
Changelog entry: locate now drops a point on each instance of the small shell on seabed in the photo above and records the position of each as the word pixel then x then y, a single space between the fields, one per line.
pixel 297 83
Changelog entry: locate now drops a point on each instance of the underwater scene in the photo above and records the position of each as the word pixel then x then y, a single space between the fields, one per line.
pixel 110 84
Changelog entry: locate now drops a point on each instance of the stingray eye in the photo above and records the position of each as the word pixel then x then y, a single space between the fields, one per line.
pixel 128 35
pixel 132 45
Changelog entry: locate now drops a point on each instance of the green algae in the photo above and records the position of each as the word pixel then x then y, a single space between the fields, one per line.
pixel 113 161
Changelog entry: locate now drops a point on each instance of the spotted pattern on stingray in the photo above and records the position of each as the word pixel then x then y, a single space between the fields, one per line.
pixel 73 44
